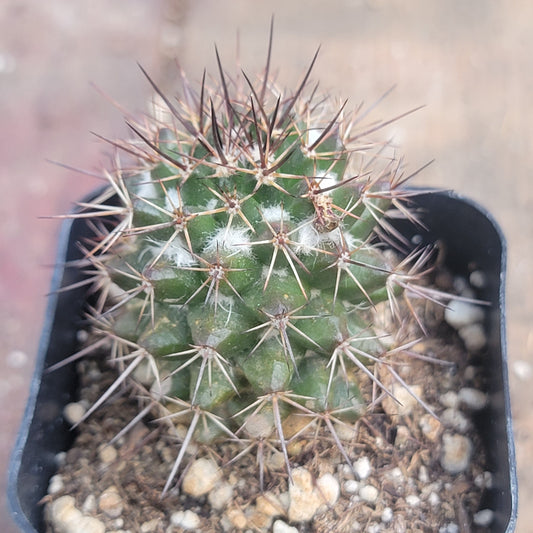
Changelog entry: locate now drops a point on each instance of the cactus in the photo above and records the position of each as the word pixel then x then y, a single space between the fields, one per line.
pixel 238 265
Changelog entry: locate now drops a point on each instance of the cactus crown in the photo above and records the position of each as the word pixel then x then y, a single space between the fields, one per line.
pixel 240 271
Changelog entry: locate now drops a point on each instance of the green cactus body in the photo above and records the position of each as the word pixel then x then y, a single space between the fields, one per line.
pixel 244 265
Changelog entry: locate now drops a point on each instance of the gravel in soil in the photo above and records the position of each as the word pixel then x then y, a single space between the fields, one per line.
pixel 411 471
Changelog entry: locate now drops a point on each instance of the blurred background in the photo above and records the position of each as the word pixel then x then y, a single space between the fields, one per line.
pixel 470 64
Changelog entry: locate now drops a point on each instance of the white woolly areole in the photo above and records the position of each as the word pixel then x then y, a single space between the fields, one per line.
pixel 276 272
pixel 231 240
pixel 172 199
pixel 327 179
pixel 212 204
pixel 176 252
pixel 272 213
pixel 313 134
pixel 145 187
pixel 309 238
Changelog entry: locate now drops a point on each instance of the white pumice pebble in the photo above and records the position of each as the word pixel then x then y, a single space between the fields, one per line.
pixel 220 496
pixel 456 453
pixel 282 527
pixel 351 486
pixel 459 313
pixel 89 505
pixel 460 284
pixel 455 419
pixel 449 399
pixel 452 527
pixel 478 279
pixel 473 398
pixel 110 502
pixel 483 480
pixel 56 484
pixel 474 337
pixel 187 520
pixel 201 477
pixel 107 454
pixel 74 412
pixel 60 458
pixel 387 515
pixel 484 517
pixel 369 493
pixel 434 499
pixel 412 500
pixel 329 488
pixel 362 467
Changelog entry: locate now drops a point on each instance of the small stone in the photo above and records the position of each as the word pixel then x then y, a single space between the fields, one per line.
pixel 484 480
pixel 66 518
pixel 452 527
pixel 60 458
pixel 258 520
pixel 449 399
pixel 110 502
pixel 473 336
pixel 151 525
pixel 329 488
pixel 88 524
pixel 412 500
pixel 369 493
pixel 62 512
pixel 404 401
pixel 275 461
pixel 185 519
pixel 74 412
pixel 304 499
pixel 478 279
pixel 456 453
pixel 56 484
pixel 220 496
pixel 281 527
pixel 107 454
pixel 351 486
pixel 395 476
pixel 237 518
pixel 89 505
pixel 430 426
pixel 201 477
pixel 387 515
pixel 473 398
pixel 346 432
pixel 118 523
pixel 269 504
pixel 434 499
pixel 402 436
pixel 362 467
pixel 455 419
pixel 285 500
pixel 423 474
pixel 484 517
pixel 459 314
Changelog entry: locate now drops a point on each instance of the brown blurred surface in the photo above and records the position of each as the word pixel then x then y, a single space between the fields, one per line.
pixel 470 63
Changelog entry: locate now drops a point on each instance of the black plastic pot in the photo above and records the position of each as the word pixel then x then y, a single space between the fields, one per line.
pixel 472 240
